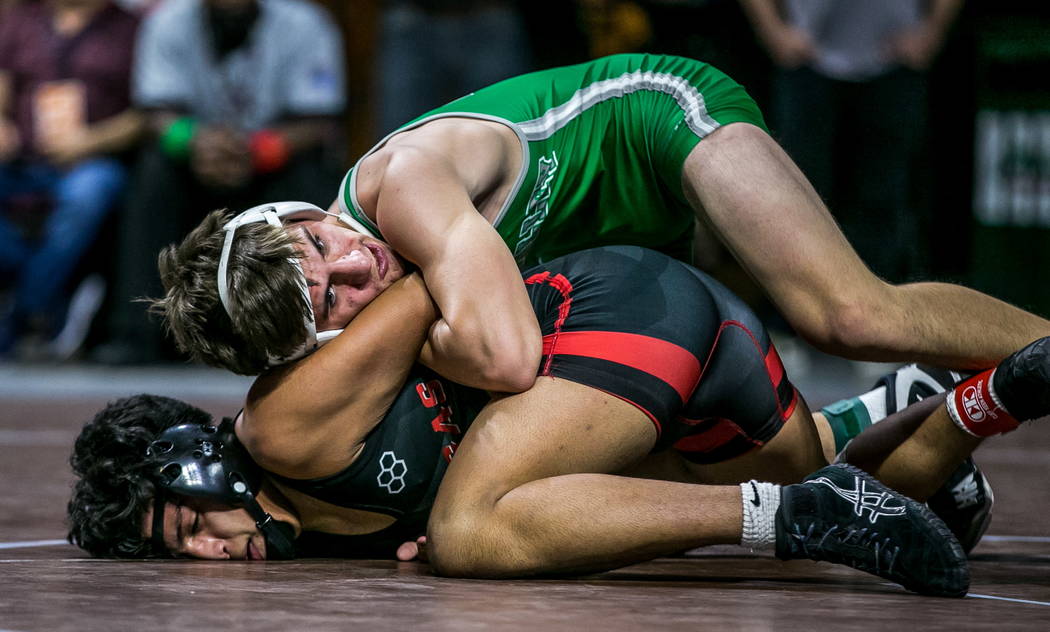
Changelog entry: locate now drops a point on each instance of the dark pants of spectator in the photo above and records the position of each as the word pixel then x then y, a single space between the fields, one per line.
pixel 858 143
pixel 166 202
pixel 79 199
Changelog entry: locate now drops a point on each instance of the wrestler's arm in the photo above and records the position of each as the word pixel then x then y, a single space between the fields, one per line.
pixel 429 356
pixel 308 419
pixel 775 224
pixel 487 335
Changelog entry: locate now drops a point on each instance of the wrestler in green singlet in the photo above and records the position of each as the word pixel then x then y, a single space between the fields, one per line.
pixel 603 143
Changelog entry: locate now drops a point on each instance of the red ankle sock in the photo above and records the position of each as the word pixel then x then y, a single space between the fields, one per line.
pixel 974 407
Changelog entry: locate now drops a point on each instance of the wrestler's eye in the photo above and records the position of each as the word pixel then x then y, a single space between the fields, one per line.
pixel 322 248
pixel 329 297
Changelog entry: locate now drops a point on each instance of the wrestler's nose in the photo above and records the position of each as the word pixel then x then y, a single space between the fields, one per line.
pixel 354 268
pixel 207 548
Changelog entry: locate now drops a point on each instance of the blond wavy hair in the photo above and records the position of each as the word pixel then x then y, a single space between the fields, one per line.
pixel 266 299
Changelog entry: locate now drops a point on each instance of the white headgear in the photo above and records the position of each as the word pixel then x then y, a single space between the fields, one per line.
pixel 275 214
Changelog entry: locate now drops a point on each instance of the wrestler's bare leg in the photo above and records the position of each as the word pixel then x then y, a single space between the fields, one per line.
pixel 761 206
pixel 827 436
pixel 791 455
pixel 795 452
pixel 529 491
pixel 915 450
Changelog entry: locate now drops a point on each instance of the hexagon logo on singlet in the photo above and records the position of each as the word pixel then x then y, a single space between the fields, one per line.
pixel 392 472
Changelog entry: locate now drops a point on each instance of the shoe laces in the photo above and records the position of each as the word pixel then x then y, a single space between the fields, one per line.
pixel 885 552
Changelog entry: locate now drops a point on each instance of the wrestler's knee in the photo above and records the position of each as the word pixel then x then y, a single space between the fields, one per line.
pixel 478 539
pixel 447 545
pixel 466 545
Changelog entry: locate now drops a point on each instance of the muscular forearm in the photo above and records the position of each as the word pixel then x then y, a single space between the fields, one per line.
pixel 498 353
pixel 488 336
pixel 448 355
pixel 303 420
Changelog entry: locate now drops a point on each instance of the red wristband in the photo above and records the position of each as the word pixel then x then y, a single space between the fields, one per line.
pixel 270 151
pixel 974 407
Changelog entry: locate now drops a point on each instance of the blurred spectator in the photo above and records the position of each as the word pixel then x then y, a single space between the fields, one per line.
pixel 850 106
pixel 243 98
pixel 434 51
pixel 64 114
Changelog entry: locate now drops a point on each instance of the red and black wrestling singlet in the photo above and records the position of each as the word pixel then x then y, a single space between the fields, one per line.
pixel 667 338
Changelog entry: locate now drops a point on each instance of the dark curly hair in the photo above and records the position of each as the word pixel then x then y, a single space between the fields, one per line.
pixel 113 489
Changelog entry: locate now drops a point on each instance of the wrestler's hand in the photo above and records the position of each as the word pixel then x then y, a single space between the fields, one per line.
pixel 413 550
pixel 1022 381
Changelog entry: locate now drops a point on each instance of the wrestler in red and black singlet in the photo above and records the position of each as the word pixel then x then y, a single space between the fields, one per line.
pixel 667 338
pixel 628 321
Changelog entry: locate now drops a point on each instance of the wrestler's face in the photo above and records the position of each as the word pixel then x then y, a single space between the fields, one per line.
pixel 344 269
pixel 208 530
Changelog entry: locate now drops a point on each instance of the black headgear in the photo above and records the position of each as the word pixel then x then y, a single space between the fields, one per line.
pixel 204 461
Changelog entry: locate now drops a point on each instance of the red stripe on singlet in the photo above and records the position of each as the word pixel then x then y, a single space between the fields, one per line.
pixel 774 366
pixel 564 287
pixel 790 410
pixel 715 437
pixel 664 360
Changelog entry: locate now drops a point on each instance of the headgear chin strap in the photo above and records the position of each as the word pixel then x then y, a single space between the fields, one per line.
pixel 275 214
pixel 205 461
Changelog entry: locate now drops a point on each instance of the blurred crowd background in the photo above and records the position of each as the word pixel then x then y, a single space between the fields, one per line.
pixel 925 124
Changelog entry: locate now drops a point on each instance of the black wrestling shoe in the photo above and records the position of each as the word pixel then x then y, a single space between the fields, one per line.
pixel 840 514
pixel 964 503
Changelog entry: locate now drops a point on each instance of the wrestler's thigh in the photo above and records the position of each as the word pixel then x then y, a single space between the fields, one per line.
pixel 557 427
pixel 787 458
pixel 780 231
pixel 793 453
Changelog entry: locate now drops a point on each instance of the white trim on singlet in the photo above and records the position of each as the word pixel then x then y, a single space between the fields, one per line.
pixel 689 99
pixel 352 174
